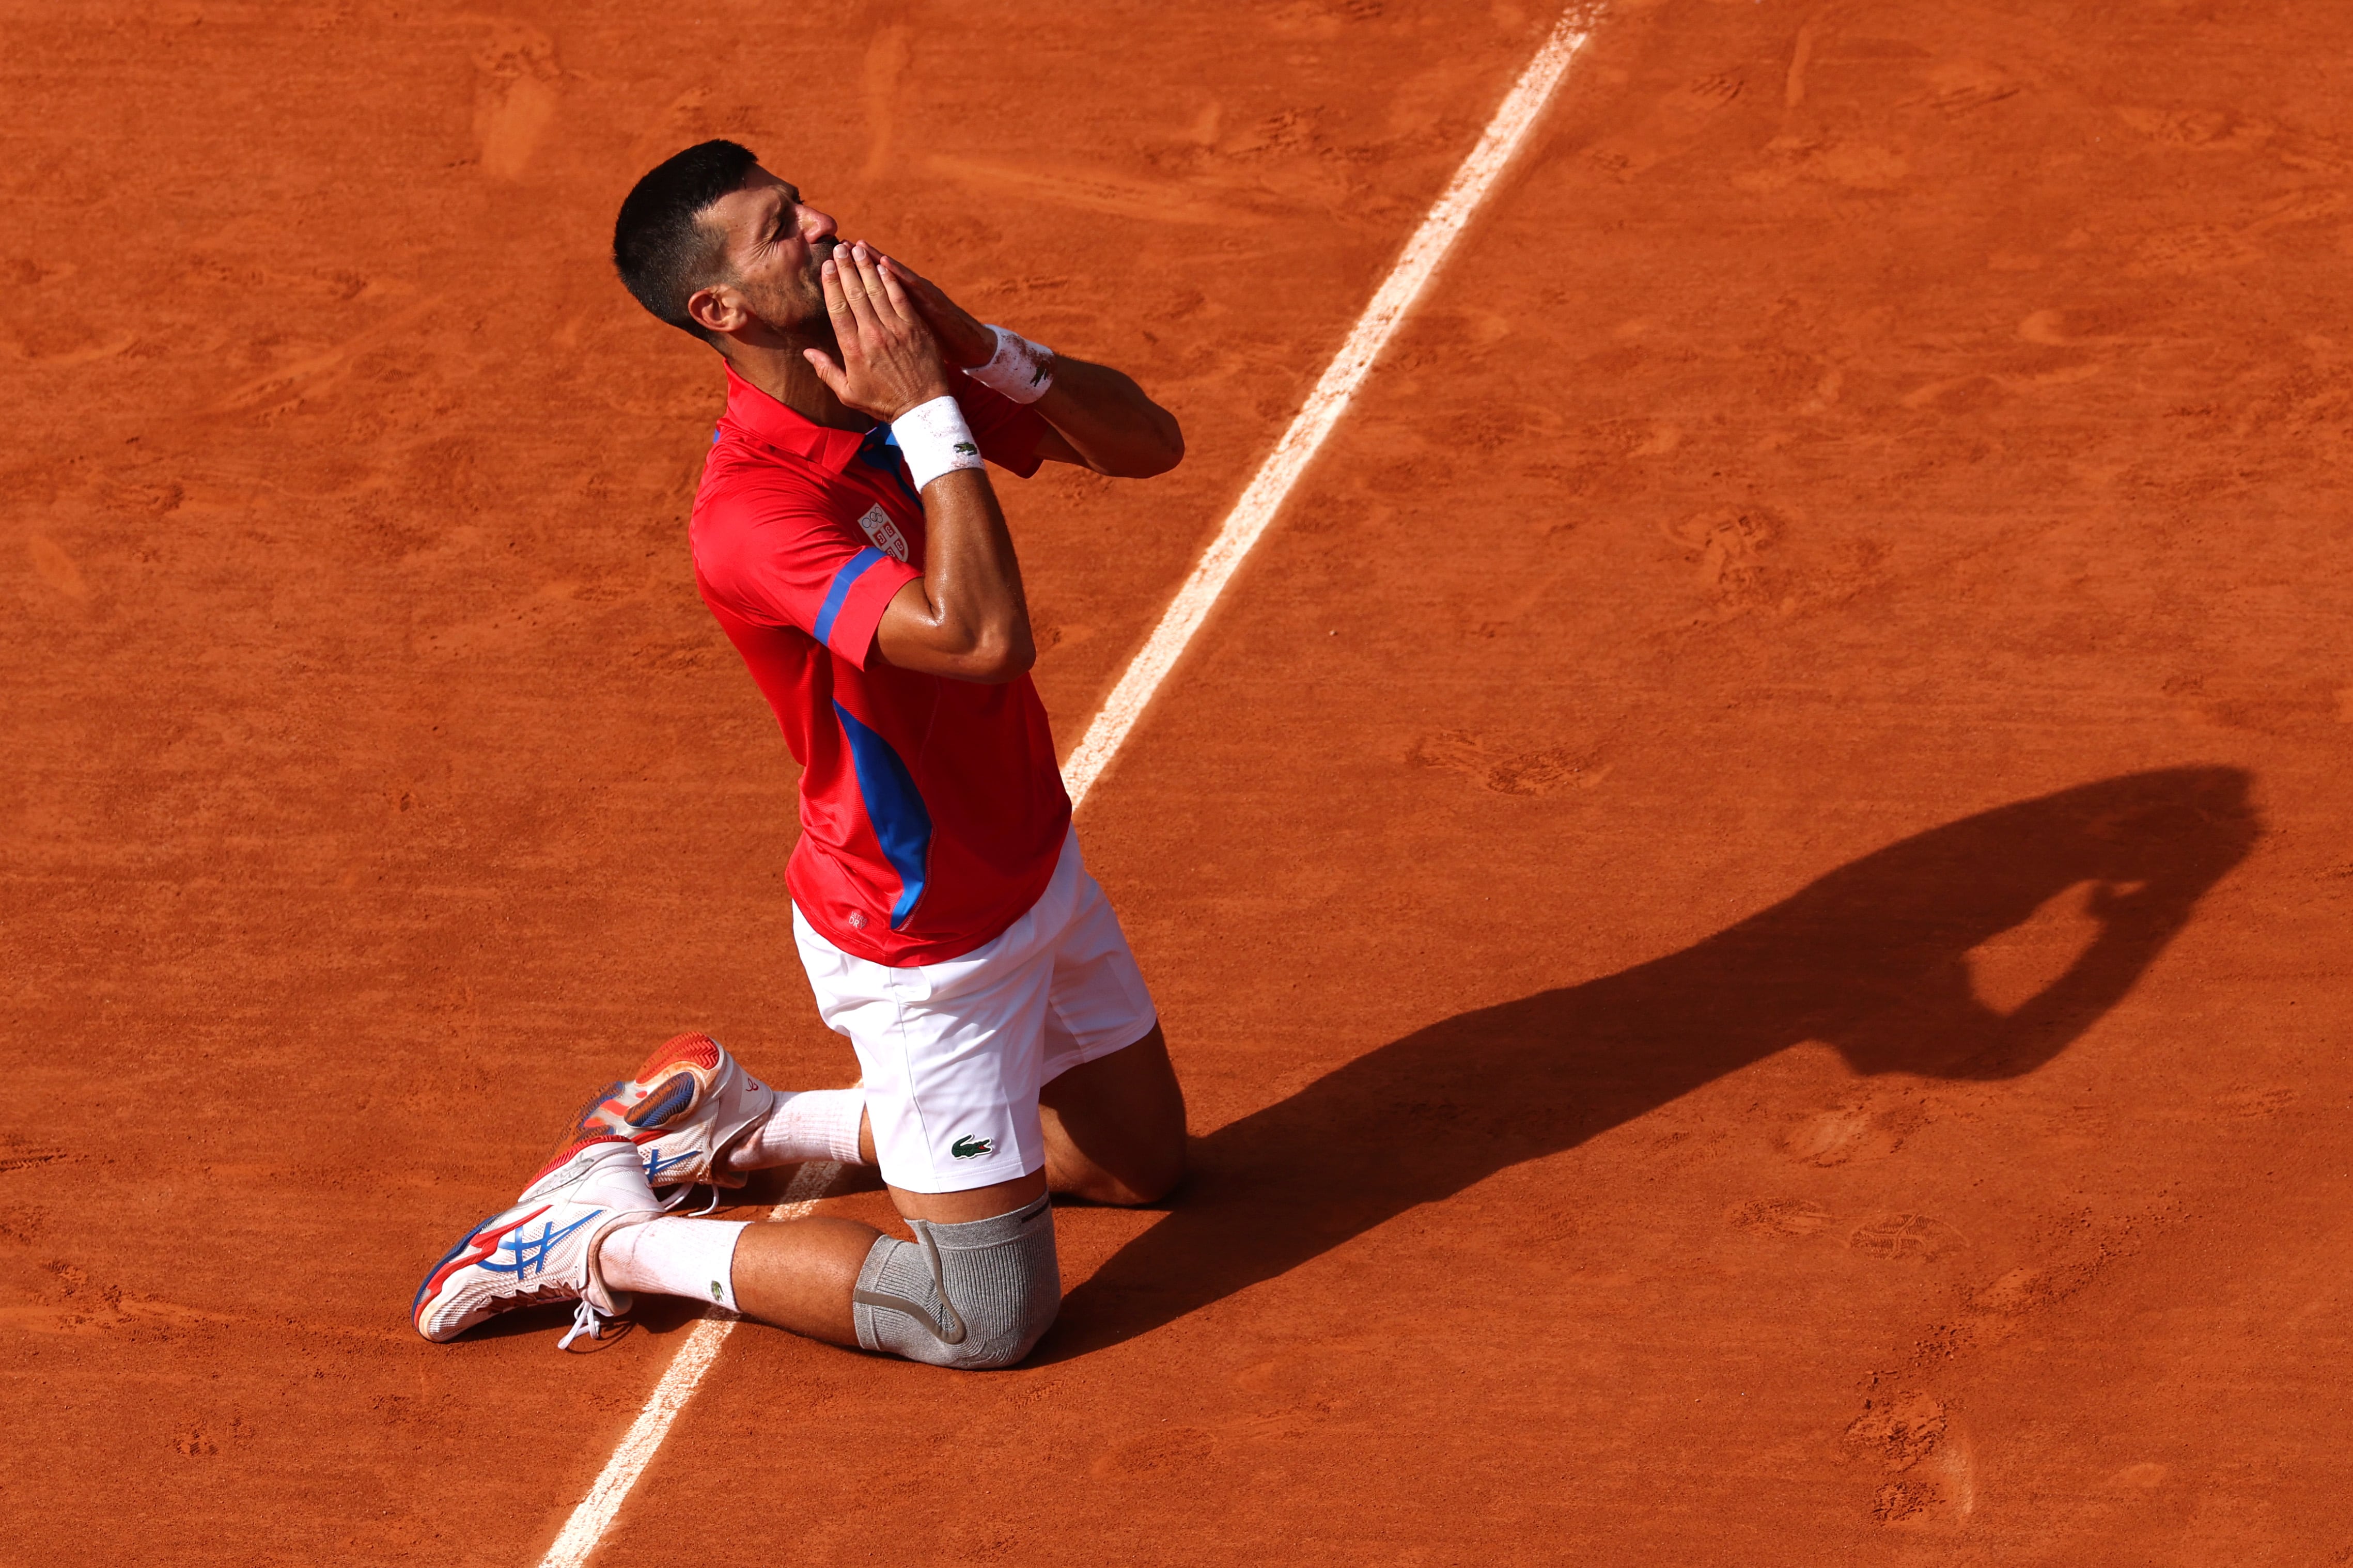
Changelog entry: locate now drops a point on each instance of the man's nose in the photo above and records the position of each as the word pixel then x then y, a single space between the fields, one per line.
pixel 815 224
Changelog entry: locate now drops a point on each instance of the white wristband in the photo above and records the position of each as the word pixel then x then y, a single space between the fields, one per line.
pixel 1019 369
pixel 934 439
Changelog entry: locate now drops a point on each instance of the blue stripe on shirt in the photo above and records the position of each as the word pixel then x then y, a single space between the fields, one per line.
pixel 851 571
pixel 902 826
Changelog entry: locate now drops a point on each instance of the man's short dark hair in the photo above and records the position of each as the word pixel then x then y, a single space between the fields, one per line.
pixel 660 248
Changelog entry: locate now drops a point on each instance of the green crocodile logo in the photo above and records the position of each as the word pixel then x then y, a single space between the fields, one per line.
pixel 970 1148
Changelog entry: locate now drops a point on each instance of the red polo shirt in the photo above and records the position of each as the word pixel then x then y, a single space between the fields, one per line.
pixel 932 810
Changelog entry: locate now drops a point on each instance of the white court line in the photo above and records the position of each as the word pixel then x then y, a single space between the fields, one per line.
pixel 1126 703
pixel 589 1520
pixel 1324 405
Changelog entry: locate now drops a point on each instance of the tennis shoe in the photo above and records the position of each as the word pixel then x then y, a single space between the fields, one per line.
pixel 683 1110
pixel 543 1249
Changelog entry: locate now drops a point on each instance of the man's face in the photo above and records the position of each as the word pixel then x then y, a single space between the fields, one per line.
pixel 774 244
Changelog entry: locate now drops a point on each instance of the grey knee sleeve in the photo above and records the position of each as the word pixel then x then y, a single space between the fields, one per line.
pixel 969 1296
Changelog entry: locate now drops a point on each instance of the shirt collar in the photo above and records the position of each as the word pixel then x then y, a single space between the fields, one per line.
pixel 755 415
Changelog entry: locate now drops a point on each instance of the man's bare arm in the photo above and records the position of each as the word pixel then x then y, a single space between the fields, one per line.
pixel 1103 420
pixel 965 616
pixel 1100 418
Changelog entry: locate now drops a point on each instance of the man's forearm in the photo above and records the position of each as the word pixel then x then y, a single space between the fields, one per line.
pixel 1109 421
pixel 1101 416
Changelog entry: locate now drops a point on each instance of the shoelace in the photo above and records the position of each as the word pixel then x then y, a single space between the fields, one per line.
pixel 680 1194
pixel 585 1320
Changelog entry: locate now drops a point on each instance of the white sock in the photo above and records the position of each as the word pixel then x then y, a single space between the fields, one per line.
pixel 674 1257
pixel 816 1124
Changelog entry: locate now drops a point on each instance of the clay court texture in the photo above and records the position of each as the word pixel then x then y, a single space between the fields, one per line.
pixel 1750 885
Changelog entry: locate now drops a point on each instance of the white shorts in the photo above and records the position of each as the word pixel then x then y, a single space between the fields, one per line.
pixel 954 1054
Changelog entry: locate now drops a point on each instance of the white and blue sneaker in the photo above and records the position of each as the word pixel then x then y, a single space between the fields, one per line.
pixel 543 1249
pixel 686 1106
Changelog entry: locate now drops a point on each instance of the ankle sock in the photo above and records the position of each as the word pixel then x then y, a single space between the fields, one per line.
pixel 816 1124
pixel 672 1256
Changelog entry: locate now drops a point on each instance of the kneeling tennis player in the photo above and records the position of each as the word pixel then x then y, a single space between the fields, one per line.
pixel 848 540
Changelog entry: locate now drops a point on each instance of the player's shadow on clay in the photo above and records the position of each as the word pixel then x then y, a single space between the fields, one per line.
pixel 1871 959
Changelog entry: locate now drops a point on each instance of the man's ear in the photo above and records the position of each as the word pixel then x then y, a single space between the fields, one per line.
pixel 717 308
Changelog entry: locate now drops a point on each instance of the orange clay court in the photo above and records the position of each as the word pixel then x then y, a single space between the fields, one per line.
pixel 1750 887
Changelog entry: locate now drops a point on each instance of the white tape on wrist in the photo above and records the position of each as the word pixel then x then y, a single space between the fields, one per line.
pixel 1019 369
pixel 934 439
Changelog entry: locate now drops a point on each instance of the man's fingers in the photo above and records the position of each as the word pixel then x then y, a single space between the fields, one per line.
pixel 844 293
pixel 924 300
pixel 897 296
pixel 856 291
pixel 912 286
pixel 914 281
pixel 926 294
pixel 827 370
pixel 882 296
pixel 887 356
pixel 837 299
pixel 959 331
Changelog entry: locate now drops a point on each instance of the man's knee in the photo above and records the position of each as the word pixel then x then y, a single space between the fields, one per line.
pixel 974 1295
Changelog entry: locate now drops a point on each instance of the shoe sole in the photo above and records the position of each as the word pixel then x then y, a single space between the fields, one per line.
pixel 679 1069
